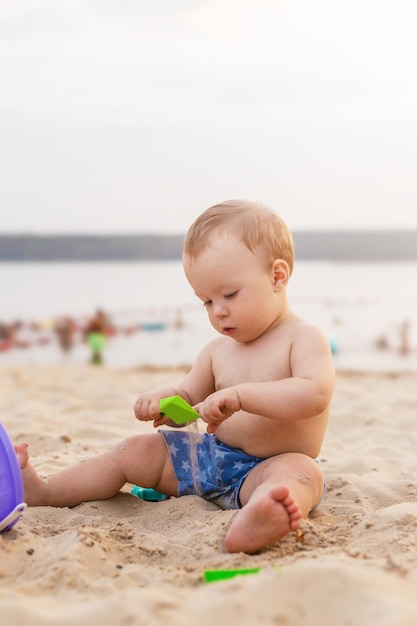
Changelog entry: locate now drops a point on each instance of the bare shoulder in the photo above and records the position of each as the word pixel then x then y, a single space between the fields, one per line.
pixel 203 364
pixel 303 329
pixel 311 354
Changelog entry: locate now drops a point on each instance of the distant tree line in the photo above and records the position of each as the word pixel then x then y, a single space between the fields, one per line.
pixel 90 247
pixel 395 245
pixel 318 245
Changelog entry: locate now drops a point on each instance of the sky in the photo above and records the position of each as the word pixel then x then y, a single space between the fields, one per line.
pixel 131 116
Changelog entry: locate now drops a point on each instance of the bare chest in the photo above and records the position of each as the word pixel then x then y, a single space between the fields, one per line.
pixel 239 363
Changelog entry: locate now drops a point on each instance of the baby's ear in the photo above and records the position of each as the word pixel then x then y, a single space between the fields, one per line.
pixel 281 273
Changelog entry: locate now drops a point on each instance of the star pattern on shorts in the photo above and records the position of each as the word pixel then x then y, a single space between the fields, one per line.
pixel 220 454
pixel 173 449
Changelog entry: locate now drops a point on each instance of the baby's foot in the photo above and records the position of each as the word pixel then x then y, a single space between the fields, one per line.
pixel 262 521
pixel 22 453
pixel 33 485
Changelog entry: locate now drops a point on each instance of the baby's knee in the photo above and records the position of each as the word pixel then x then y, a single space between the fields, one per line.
pixel 308 476
pixel 315 480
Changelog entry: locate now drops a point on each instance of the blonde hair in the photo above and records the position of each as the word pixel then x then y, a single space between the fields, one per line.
pixel 253 223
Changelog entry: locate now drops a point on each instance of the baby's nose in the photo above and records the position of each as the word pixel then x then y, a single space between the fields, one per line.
pixel 220 310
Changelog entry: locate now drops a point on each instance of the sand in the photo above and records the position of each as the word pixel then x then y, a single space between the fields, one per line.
pixel 126 561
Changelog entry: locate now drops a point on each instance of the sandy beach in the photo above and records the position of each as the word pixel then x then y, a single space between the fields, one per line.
pixel 126 561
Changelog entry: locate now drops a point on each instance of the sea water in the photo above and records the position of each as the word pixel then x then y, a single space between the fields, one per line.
pixel 361 307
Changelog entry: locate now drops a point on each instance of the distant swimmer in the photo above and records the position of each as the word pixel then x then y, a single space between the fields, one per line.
pixel 96 336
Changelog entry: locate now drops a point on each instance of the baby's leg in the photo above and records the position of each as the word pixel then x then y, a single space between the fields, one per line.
pixel 142 459
pixel 275 496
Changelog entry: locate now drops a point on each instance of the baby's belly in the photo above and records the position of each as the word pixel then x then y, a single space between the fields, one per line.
pixel 258 437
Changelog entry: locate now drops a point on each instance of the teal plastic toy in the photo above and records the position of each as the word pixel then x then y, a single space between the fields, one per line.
pixel 178 410
pixel 150 495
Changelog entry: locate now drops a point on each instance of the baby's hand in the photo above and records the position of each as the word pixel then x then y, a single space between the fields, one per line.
pixel 218 407
pixel 147 407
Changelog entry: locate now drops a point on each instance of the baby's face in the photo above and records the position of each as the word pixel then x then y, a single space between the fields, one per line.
pixel 239 292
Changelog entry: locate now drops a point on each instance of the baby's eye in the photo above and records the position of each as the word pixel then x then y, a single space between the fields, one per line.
pixel 208 302
pixel 229 296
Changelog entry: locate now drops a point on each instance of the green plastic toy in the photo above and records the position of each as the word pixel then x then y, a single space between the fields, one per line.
pixel 214 575
pixel 178 410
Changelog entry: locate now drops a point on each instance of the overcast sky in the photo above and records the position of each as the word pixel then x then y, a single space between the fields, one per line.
pixel 134 116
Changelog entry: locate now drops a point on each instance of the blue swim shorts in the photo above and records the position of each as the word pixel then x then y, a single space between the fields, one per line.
pixel 206 467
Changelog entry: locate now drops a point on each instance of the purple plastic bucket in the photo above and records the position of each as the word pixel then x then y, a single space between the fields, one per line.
pixel 11 487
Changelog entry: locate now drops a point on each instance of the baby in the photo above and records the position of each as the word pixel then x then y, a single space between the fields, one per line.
pixel 263 387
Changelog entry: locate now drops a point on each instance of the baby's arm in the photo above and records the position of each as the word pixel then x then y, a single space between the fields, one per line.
pixel 304 394
pixel 197 384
